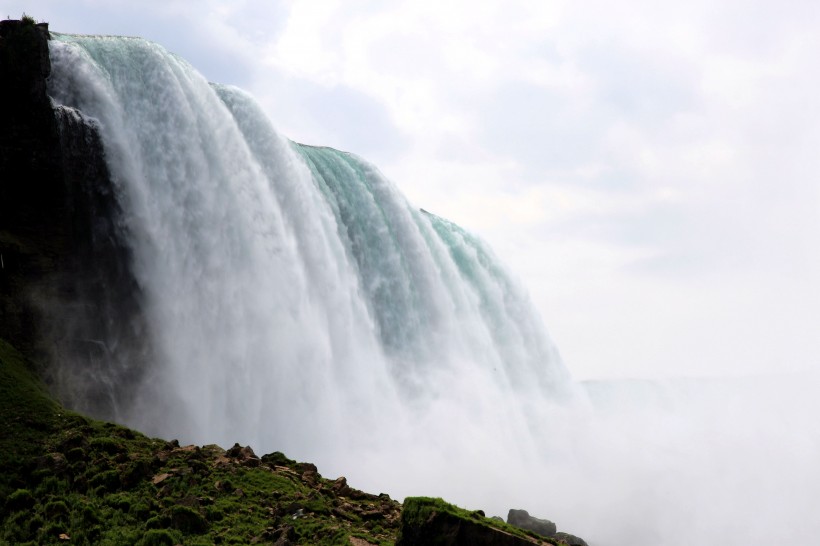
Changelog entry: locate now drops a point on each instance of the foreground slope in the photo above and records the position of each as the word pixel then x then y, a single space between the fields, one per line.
pixel 69 479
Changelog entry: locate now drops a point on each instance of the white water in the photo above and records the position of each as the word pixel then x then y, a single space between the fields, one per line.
pixel 298 303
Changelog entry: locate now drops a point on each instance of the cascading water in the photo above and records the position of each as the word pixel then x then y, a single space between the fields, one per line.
pixel 295 301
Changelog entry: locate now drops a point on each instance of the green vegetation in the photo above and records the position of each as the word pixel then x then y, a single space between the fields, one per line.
pixel 28 20
pixel 68 479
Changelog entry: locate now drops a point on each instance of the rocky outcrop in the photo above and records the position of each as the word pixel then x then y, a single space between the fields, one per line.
pixel 523 520
pixel 544 527
pixel 426 522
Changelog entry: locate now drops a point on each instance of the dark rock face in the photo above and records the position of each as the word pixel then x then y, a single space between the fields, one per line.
pixel 31 192
pixel 30 186
pixel 92 317
pixel 67 295
pixel 522 520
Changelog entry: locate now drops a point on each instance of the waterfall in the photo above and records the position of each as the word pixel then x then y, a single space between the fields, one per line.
pixel 294 299
pixel 290 298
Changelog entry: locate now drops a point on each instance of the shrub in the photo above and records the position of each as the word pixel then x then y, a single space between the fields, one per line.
pixel 51 485
pixel 142 509
pixel 21 499
pixel 75 454
pixel 157 537
pixel 21 527
pixel 50 531
pixel 56 510
pixel 187 520
pixel 277 458
pixel 106 481
pixel 88 515
pixel 119 501
pixel 107 445
pixel 212 513
pixel 156 522
pixel 136 472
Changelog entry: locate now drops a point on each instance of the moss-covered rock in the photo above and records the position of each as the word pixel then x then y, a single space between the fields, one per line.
pixel 433 522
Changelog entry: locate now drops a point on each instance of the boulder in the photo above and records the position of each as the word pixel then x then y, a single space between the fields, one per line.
pixel 243 455
pixel 340 487
pixel 522 520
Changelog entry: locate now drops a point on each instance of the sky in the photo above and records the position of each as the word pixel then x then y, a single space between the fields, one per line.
pixel 647 169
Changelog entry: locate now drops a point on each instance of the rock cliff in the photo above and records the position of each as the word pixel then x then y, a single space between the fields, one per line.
pixel 67 294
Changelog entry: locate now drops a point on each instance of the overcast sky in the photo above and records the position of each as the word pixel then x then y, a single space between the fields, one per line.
pixel 648 169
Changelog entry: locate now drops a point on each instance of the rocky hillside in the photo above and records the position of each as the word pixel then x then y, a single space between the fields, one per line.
pixel 68 479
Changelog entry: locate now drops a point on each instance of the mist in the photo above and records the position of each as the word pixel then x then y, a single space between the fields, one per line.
pixel 674 462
